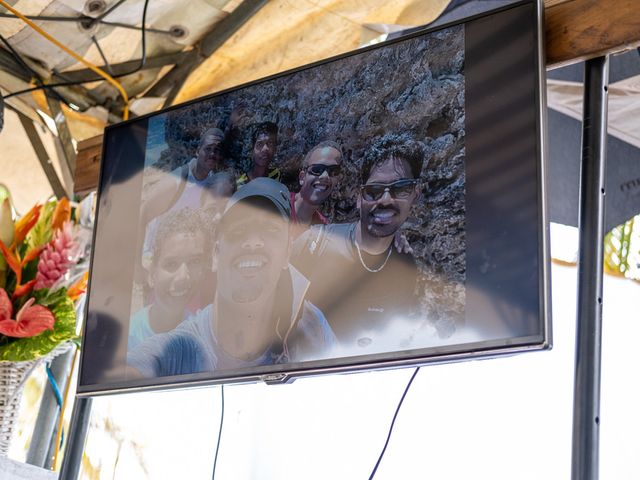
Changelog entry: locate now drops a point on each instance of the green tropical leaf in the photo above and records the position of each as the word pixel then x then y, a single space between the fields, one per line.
pixel 64 330
pixel 3 271
pixel 30 270
pixel 41 232
pixel 49 298
pixel 618 248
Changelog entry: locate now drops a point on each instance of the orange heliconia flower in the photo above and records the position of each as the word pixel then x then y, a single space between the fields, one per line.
pixel 22 290
pixel 12 259
pixel 61 214
pixel 79 287
pixel 32 254
pixel 16 264
pixel 25 224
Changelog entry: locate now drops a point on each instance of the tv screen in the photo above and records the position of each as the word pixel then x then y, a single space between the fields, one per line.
pixel 380 209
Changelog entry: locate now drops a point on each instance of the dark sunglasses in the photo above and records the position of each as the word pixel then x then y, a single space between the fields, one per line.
pixel 399 189
pixel 318 169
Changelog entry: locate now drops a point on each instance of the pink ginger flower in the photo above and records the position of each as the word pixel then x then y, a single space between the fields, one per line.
pixel 55 258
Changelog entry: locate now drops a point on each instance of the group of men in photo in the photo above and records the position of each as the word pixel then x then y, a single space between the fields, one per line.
pixel 239 271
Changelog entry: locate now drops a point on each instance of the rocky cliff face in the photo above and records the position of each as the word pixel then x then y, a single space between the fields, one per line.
pixel 414 86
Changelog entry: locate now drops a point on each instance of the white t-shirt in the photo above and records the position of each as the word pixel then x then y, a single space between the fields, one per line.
pixel 151 356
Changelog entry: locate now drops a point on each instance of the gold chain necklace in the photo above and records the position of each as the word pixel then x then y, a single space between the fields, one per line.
pixel 372 270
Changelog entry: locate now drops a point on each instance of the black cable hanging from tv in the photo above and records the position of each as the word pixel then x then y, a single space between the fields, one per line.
pixel 395 415
pixel 215 458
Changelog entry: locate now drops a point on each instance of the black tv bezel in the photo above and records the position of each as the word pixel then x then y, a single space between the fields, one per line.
pixel 437 355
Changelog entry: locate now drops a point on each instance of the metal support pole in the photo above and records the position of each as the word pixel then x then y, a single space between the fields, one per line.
pixel 78 427
pixel 45 428
pixel 64 136
pixel 586 397
pixel 43 157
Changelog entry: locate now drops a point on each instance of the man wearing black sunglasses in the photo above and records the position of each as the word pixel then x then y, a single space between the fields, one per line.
pixel 320 172
pixel 360 281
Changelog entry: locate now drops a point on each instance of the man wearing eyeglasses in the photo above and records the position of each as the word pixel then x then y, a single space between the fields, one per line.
pixel 318 177
pixel 359 280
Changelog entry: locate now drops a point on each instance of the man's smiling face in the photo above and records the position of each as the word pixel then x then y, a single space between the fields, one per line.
pixel 252 251
pixel 178 269
pixel 315 189
pixel 383 216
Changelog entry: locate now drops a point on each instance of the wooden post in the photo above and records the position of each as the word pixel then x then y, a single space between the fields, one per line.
pixel 88 165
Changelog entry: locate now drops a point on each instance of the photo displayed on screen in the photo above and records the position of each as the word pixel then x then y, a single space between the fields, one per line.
pixel 315 216
pixel 379 209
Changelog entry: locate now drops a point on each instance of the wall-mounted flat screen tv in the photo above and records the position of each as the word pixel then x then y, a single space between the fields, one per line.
pixel 380 209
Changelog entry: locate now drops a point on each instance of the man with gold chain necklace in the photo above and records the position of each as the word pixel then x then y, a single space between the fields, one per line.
pixel 359 280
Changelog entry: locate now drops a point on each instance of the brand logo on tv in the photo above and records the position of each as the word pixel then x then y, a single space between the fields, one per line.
pixel 632 186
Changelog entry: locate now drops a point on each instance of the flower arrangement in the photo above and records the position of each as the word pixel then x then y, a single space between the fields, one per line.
pixel 37 311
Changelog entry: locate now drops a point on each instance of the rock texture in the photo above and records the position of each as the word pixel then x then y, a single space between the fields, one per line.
pixel 415 85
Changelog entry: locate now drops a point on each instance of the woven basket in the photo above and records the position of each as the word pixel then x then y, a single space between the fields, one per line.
pixel 13 376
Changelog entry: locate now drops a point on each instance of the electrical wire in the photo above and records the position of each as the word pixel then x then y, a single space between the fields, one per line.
pixel 46 18
pixel 48 86
pixel 215 458
pixel 86 19
pixel 159 31
pixel 102 55
pixel 65 397
pixel 143 61
pixel 59 400
pixel 395 415
pixel 109 10
pixel 91 66
pixel 28 70
pixel 53 384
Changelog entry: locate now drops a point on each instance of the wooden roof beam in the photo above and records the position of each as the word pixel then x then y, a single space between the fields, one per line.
pixel 128 66
pixel 577 30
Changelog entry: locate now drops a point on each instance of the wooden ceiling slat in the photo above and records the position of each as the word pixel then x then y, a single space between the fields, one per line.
pixel 577 30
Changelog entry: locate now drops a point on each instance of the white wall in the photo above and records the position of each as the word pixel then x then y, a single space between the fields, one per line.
pixel 507 418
